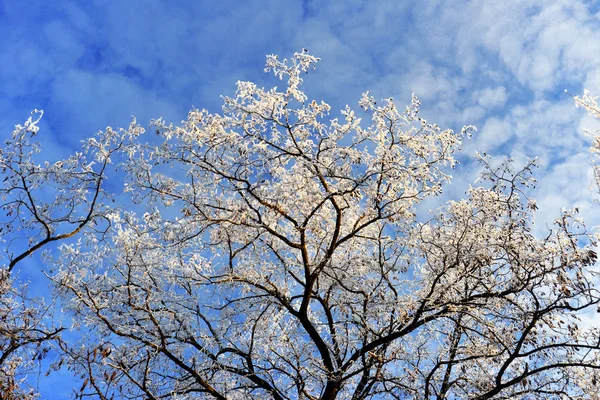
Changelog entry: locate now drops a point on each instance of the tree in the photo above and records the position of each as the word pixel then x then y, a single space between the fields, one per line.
pixel 278 255
pixel 275 253
pixel 42 205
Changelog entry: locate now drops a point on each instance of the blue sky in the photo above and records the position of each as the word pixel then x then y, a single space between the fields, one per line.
pixel 500 65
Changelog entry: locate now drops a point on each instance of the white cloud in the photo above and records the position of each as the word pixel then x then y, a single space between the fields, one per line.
pixel 107 99
pixel 566 185
pixel 541 43
pixel 494 133
pixel 491 97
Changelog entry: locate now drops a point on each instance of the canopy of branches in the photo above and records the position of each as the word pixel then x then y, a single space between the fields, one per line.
pixel 274 252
